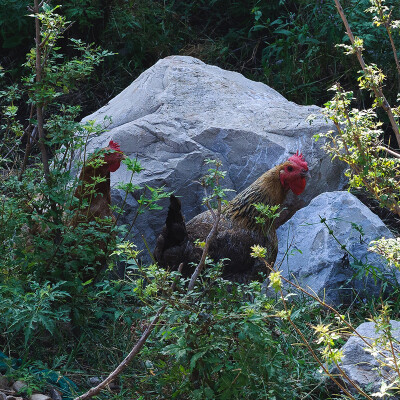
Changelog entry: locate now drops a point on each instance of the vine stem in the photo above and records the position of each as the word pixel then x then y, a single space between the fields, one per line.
pixel 389 32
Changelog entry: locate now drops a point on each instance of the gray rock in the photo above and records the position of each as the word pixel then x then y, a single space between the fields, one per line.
pixel 18 386
pixel 3 396
pixel 181 111
pixel 311 256
pixel 55 394
pixel 38 396
pixel 4 382
pixel 94 381
pixel 361 366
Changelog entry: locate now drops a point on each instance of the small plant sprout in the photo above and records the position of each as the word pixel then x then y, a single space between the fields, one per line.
pixel 267 215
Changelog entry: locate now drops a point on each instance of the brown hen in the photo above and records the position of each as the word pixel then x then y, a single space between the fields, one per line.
pixel 94 195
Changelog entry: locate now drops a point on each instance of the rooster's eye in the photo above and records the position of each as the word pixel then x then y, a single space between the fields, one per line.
pixel 290 168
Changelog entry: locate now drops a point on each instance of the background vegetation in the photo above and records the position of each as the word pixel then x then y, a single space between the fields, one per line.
pixel 220 340
pixel 288 44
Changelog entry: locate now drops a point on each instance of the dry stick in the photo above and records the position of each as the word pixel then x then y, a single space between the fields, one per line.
pixel 358 388
pixel 389 32
pixel 305 341
pixel 392 206
pixel 30 137
pixel 391 152
pixel 209 239
pixel 317 299
pixel 140 343
pixel 39 108
pixel 138 346
pixel 392 350
pixel 378 91
pixel 310 349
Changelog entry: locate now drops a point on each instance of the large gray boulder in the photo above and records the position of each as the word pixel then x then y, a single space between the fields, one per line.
pixel 181 111
pixel 367 369
pixel 309 255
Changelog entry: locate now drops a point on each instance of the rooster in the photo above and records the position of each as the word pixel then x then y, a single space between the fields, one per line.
pixel 238 229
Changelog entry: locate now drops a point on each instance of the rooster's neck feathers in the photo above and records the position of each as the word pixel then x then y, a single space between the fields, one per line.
pixel 266 189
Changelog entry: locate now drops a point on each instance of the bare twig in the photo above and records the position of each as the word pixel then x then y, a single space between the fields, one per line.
pixel 140 343
pixel 377 90
pixel 136 349
pixel 310 349
pixel 371 187
pixel 30 135
pixel 39 107
pixel 138 346
pixel 389 32
pixel 209 239
pixel 307 344
pixel 324 304
pixel 391 152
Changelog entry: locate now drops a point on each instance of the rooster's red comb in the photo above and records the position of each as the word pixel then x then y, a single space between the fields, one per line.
pixel 114 146
pixel 299 160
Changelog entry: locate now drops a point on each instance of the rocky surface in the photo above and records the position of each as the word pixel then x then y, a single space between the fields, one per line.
pixel 364 368
pixel 13 391
pixel 310 255
pixel 181 111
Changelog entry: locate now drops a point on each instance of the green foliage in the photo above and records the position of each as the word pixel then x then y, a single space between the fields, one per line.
pixel 50 264
pixel 359 136
pixel 30 310
pixel 14 27
pixel 220 341
pixel 215 193
pixel 387 248
pixel 287 44
pixel 267 215
pixel 327 338
pixel 58 302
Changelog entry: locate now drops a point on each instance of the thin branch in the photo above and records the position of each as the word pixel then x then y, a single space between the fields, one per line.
pixel 140 343
pixel 322 303
pixel 136 349
pixel 209 239
pixel 354 384
pixel 391 152
pixel 138 346
pixel 30 136
pixel 39 108
pixel 386 23
pixel 311 350
pixel 307 344
pixel 377 91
